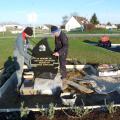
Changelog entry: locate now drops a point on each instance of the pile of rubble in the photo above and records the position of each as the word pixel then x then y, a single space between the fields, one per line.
pixel 106 80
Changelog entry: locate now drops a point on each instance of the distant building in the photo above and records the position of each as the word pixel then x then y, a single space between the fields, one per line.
pixel 75 22
pixel 46 27
pixel 104 26
pixel 2 28
pixel 111 26
pixel 101 26
pixel 14 28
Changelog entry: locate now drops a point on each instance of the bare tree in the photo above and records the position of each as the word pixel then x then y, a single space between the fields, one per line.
pixel 109 24
pixel 65 19
pixel 74 14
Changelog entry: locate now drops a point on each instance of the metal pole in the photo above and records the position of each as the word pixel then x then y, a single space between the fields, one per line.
pixel 55 108
pixel 34 30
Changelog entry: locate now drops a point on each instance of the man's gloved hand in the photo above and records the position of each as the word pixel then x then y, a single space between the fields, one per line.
pixel 56 54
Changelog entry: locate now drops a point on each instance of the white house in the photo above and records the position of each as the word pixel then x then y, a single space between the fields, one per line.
pixel 2 28
pixel 75 22
pixel 14 26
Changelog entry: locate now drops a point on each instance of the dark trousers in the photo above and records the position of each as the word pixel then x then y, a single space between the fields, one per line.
pixel 104 44
pixel 63 71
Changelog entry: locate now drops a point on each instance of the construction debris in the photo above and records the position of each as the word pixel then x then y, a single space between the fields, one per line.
pixel 74 85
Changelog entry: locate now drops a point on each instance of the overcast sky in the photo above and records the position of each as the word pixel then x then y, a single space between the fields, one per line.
pixel 52 11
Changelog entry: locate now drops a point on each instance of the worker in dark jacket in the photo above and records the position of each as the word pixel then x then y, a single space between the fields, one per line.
pixel 20 52
pixel 61 48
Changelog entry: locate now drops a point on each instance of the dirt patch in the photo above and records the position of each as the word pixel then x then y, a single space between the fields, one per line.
pixel 96 114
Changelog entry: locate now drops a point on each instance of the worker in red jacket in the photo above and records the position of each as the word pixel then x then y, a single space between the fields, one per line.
pixel 21 55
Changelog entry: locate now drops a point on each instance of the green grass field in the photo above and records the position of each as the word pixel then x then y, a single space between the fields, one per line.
pixel 77 50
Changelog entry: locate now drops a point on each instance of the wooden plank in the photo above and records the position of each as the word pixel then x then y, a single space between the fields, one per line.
pixel 80 87
pixel 25 67
pixel 29 73
pixel 28 91
pixel 28 76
